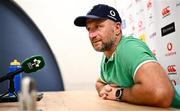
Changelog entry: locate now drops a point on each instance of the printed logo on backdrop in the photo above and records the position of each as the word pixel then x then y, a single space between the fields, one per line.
pixel 170 52
pixel 123 26
pixel 152 36
pixel 169 46
pixel 149 12
pixel 173 82
pixel 149 4
pixel 143 38
pixel 171 69
pixel 177 4
pixel 141 26
pixel 154 52
pixel 168 29
pixel 166 11
pixel 140 11
pixel 150 16
pixel 133 29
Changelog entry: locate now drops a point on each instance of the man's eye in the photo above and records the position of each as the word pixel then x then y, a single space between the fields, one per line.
pixel 98 26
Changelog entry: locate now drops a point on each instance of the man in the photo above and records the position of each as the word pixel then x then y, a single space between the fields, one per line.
pixel 129 71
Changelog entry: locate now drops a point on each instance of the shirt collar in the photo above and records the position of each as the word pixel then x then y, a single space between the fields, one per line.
pixel 114 53
pixel 110 59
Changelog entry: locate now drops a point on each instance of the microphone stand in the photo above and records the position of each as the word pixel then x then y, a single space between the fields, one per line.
pixel 4 97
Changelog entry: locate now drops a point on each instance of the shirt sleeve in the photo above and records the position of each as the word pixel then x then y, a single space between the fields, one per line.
pixel 135 53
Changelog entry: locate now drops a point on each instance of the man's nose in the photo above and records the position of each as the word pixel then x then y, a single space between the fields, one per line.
pixel 92 34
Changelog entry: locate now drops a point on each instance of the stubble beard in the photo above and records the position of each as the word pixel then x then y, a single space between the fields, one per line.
pixel 105 46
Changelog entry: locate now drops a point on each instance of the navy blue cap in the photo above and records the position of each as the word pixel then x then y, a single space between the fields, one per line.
pixel 100 11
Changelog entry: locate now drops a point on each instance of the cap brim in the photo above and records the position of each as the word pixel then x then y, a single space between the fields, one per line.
pixel 81 20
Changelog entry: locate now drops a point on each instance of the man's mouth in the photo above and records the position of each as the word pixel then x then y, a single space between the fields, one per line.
pixel 95 41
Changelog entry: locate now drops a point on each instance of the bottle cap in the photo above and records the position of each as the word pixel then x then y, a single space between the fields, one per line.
pixel 15 62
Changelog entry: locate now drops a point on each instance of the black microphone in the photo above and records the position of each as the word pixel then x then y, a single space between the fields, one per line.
pixel 29 65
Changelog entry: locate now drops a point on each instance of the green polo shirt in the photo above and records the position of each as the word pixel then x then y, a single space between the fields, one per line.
pixel 122 66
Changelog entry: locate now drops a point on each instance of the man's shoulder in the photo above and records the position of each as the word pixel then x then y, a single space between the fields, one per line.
pixel 129 41
pixel 130 45
pixel 130 38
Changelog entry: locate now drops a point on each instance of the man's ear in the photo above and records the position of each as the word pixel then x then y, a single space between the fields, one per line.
pixel 118 28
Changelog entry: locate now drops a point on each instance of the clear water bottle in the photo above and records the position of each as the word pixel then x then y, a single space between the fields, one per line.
pixel 14 65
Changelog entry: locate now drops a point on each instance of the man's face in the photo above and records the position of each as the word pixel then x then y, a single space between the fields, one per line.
pixel 101 33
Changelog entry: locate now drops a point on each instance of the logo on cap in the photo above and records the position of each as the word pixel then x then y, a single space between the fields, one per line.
pixel 100 11
pixel 112 14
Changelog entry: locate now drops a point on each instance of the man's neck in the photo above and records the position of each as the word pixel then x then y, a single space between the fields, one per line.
pixel 109 53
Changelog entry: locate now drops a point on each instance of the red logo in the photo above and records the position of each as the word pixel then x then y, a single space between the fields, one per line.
pixel 171 69
pixel 166 11
pixel 169 46
pixel 140 23
pixel 173 82
pixel 154 52
pixel 140 26
pixel 170 50
pixel 149 4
